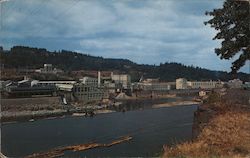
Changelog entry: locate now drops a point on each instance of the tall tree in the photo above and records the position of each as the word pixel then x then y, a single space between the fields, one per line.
pixel 233 25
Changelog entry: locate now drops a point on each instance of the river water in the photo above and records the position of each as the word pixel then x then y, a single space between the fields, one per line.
pixel 150 129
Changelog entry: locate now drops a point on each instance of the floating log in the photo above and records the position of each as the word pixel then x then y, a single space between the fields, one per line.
pixel 123 139
pixel 86 146
pixel 81 147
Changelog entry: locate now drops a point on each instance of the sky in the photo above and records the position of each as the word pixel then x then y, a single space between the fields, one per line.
pixel 143 31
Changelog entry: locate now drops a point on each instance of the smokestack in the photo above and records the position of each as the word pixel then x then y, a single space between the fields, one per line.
pixel 99 78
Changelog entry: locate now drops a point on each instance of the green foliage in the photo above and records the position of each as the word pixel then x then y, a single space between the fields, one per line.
pixel 233 25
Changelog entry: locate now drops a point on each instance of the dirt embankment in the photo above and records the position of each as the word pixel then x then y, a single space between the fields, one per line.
pixel 31 104
pixel 221 129
pixel 30 108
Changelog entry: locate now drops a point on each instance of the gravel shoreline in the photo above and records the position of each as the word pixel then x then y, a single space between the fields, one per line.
pixel 28 115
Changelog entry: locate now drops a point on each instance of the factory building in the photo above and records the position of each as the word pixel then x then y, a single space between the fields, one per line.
pixel 89 81
pixel 52 83
pixel 89 90
pixel 26 88
pixel 154 85
pixel 48 68
pixel 182 83
pixel 203 84
pixel 87 93
pixel 123 79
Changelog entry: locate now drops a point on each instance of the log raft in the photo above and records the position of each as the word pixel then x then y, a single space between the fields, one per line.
pixel 56 152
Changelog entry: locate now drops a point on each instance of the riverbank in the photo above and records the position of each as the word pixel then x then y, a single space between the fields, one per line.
pixel 221 128
pixel 13 114
pixel 11 117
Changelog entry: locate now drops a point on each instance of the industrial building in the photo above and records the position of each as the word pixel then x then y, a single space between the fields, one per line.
pixel 52 83
pixel 89 90
pixel 182 83
pixel 90 81
pixel 203 84
pixel 25 88
pixel 154 85
pixel 48 68
pixel 87 93
pixel 123 79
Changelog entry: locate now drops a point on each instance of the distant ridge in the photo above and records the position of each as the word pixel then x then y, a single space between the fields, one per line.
pixel 28 57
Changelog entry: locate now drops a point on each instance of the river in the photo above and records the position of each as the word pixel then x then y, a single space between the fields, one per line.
pixel 150 129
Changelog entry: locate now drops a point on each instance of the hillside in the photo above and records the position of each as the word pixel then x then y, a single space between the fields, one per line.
pixel 26 57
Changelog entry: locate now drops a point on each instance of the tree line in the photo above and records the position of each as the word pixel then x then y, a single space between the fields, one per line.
pixel 20 57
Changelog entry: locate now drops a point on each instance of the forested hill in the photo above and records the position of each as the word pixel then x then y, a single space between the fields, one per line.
pixel 26 57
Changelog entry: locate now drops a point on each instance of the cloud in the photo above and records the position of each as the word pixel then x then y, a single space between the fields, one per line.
pixel 150 31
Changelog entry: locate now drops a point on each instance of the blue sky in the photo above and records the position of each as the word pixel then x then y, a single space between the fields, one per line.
pixel 144 31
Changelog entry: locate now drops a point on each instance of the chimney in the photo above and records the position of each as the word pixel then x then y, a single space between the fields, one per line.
pixel 99 78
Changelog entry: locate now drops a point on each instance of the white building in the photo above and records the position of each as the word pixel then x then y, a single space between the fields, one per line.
pixel 112 87
pixel 154 85
pixel 246 85
pixel 181 83
pixel 48 68
pixel 52 83
pixel 90 81
pixel 235 83
pixel 202 93
pixel 124 79
pixel 203 84
pixel 161 86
